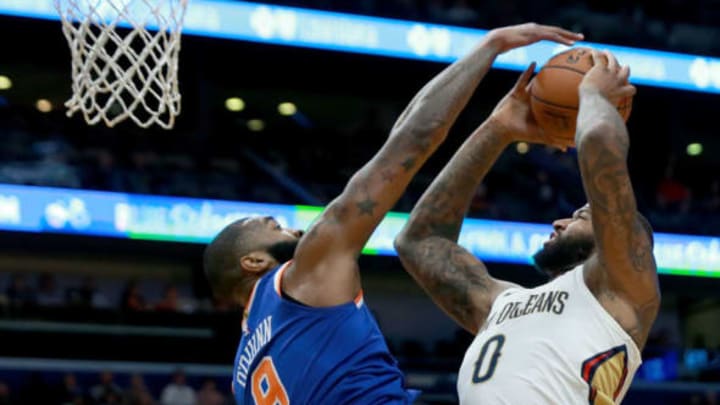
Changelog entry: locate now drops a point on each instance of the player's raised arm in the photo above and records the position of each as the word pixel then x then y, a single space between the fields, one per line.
pixel 325 260
pixel 625 267
pixel 456 280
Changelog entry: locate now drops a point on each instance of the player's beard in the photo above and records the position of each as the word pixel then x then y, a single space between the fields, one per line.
pixel 563 254
pixel 283 251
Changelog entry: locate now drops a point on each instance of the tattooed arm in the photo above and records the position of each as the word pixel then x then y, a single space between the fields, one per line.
pixel 623 274
pixel 325 269
pixel 455 279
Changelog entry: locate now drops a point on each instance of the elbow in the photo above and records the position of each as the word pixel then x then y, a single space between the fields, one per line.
pixel 401 244
pixel 404 244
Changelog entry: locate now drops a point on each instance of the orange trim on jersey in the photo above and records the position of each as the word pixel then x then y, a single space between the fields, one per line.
pixel 359 300
pixel 278 278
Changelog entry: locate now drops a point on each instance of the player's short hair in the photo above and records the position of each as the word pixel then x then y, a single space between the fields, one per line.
pixel 222 257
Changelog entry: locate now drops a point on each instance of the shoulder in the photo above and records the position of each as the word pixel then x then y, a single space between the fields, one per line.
pixel 506 288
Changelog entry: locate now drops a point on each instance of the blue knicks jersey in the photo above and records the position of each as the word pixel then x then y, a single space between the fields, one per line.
pixel 295 354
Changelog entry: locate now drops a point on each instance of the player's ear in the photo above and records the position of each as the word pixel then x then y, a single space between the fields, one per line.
pixel 257 261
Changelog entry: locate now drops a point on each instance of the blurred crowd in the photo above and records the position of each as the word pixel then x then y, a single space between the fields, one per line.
pixel 27 292
pixel 537 184
pixel 106 389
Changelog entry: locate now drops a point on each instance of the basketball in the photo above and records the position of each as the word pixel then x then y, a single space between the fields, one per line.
pixel 554 93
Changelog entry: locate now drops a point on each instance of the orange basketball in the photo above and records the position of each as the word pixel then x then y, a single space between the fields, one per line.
pixel 554 92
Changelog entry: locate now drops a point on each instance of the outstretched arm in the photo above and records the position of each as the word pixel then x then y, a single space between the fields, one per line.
pixel 325 269
pixel 625 269
pixel 456 280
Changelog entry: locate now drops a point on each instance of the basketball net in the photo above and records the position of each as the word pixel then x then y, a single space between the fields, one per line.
pixel 121 69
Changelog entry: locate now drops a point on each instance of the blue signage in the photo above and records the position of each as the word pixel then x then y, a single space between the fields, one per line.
pixel 134 216
pixel 292 26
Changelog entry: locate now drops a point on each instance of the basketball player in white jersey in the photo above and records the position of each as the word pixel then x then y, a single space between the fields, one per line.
pixel 576 339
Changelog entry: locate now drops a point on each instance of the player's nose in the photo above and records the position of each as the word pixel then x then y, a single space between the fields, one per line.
pixel 560 224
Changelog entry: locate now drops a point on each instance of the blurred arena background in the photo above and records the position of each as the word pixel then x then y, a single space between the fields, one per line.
pixel 102 296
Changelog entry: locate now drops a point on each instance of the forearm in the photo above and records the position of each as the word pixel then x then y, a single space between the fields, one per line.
pixel 421 128
pixel 443 206
pixel 599 125
pixel 622 242
pixel 603 145
pixel 437 105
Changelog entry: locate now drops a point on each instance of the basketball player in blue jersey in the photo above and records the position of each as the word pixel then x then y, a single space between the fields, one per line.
pixel 308 337
pixel 576 339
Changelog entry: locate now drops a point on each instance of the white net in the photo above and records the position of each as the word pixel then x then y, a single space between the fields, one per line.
pixel 124 59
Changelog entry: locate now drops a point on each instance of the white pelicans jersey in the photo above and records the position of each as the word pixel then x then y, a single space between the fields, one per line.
pixel 554 344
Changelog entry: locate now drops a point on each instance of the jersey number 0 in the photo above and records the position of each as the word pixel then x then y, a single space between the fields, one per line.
pixel 489 354
pixel 267 389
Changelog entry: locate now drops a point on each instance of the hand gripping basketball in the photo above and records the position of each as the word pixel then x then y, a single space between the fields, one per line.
pixel 512 116
pixel 608 78
pixel 555 91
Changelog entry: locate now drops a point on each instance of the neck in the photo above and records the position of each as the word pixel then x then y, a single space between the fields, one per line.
pixel 243 296
pixel 572 267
